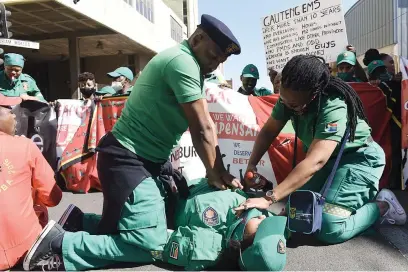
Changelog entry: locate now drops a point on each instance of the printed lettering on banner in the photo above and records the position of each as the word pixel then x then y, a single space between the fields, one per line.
pixel 71 114
pixel 314 28
pixel 237 130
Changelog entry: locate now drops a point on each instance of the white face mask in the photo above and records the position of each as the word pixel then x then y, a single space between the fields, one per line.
pixel 117 86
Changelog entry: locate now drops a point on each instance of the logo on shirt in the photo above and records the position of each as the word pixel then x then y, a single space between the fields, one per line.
pixel 174 250
pixel 25 86
pixel 281 247
pixel 331 127
pixel 210 217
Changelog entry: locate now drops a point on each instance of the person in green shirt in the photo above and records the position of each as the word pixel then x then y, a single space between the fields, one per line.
pixel 122 80
pixel 14 83
pixel 348 68
pixel 169 100
pixel 320 108
pixel 249 78
pixel 209 234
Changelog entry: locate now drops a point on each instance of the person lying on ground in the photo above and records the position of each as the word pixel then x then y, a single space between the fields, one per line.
pixel 207 232
pixel 27 186
pixel 321 108
pixel 169 100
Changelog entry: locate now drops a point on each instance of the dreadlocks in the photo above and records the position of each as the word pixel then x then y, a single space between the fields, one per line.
pixel 309 73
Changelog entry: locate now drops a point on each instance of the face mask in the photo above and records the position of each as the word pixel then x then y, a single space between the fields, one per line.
pixel 117 86
pixel 385 77
pixel 87 92
pixel 346 76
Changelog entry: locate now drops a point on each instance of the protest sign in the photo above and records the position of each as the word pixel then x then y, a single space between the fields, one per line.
pixel 315 28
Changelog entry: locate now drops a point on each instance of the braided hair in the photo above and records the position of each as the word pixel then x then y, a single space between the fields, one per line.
pixel 310 73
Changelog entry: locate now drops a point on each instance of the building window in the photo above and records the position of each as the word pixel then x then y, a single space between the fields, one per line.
pixel 176 30
pixel 145 7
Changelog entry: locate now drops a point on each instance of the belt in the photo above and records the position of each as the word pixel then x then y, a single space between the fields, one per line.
pixel 336 210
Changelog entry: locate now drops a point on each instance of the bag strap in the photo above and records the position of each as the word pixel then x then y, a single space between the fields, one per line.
pixel 336 164
pixel 296 141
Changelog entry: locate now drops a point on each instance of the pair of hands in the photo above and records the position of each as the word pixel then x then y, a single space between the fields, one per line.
pixel 225 180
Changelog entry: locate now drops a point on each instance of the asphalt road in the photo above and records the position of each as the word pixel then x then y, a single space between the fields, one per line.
pixel 385 248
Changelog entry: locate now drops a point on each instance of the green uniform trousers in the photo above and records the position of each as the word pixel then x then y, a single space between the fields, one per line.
pixel 354 187
pixel 142 232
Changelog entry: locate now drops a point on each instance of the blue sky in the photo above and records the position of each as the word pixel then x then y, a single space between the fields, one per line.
pixel 244 19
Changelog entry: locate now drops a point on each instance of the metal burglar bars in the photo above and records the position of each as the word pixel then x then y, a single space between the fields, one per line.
pixel 4 24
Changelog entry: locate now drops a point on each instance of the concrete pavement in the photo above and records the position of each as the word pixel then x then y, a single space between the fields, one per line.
pixel 385 249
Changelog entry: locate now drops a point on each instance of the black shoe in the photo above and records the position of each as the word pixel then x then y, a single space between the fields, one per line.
pixel 72 219
pixel 44 252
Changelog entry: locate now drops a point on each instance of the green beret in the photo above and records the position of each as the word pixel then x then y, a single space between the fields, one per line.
pixel 12 59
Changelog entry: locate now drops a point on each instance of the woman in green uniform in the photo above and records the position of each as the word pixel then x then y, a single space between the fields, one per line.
pixel 14 83
pixel 321 107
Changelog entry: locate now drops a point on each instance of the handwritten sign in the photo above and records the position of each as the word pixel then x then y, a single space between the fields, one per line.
pixel 315 28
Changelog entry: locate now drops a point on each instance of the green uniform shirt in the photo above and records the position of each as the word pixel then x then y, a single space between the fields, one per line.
pixel 330 124
pixel 153 121
pixel 201 224
pixel 25 84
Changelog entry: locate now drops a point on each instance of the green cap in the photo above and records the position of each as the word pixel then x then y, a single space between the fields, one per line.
pixel 347 57
pixel 268 251
pixel 12 59
pixel 105 90
pixel 374 65
pixel 236 230
pixel 250 71
pixel 122 71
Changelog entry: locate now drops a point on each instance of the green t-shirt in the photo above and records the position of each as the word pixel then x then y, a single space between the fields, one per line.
pixel 330 124
pixel 153 120
pixel 209 208
pixel 25 84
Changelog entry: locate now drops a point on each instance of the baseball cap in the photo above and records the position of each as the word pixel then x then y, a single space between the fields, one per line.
pixel 105 90
pixel 374 65
pixel 347 57
pixel 9 101
pixel 268 251
pixel 122 71
pixel 250 71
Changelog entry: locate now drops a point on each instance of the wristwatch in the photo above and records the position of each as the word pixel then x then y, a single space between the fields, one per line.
pixel 270 195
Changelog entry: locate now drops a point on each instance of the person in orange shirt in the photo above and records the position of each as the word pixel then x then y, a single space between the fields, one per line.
pixel 27 187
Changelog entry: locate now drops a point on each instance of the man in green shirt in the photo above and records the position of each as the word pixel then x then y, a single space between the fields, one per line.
pixel 249 78
pixel 14 83
pixel 348 68
pixel 122 80
pixel 169 99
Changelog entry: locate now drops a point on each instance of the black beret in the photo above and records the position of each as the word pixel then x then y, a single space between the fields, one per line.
pixel 220 34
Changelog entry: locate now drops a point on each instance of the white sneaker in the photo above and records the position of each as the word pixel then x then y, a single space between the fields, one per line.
pixel 396 214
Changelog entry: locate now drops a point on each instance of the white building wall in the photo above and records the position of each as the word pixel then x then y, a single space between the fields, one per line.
pixel 123 18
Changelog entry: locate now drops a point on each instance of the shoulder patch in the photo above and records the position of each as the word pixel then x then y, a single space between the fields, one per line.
pixel 25 86
pixel 281 247
pixel 174 250
pixel 331 127
pixel 210 217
